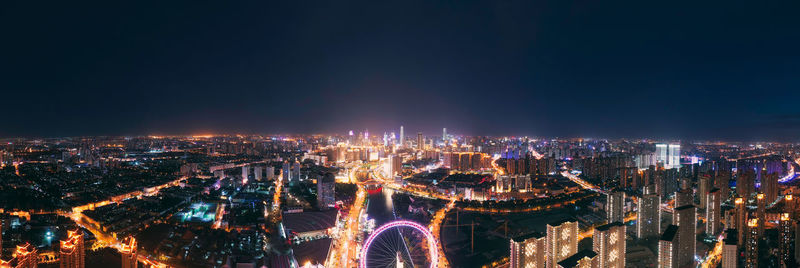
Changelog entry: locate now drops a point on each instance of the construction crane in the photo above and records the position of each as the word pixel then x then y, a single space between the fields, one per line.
pixel 472 233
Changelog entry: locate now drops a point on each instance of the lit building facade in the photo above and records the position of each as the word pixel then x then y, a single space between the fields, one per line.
pixel 669 155
pixel 528 251
pixel 648 218
pixel 582 259
pixel 713 212
pixel 730 258
pixel 72 252
pixel 784 239
pixel 608 242
pixel 751 245
pixel 129 253
pixel 667 247
pixel 562 241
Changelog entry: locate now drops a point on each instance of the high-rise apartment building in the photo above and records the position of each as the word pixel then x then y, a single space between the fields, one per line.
pixel 72 253
pixel 129 253
pixel 740 221
pixel 562 241
pixel 608 241
pixel 668 247
pixel 703 187
pixel 685 218
pixel 528 251
pixel 615 206
pixel 713 212
pixel 420 141
pixel 26 256
pixel 582 259
pixel 257 173
pixel 751 245
pixel 648 218
pixel 784 239
pixel 761 212
pixel 730 257
pixel 325 191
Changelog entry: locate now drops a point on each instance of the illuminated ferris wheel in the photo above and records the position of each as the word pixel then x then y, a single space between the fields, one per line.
pixel 399 244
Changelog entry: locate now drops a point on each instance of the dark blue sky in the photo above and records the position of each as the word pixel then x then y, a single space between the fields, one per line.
pixel 675 69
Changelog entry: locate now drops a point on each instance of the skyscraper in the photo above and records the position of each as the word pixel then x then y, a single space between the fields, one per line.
pixel 770 184
pixel 685 218
pixel 784 239
pixel 562 241
pixel 729 249
pixel 703 187
pixel 684 197
pixel 615 204
pixel 713 212
pixel 761 212
pixel 668 247
pixel 740 223
pixel 129 253
pixel 286 171
pixel 608 241
pixel 669 155
pixel 257 173
pixel 72 253
pixel 751 245
pixel 648 219
pixel 325 191
pixel 444 134
pixel 745 183
pixel 402 137
pixel 26 256
pixel 420 141
pixel 528 251
pixel 245 173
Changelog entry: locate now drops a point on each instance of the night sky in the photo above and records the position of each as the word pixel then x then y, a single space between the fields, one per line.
pixel 659 69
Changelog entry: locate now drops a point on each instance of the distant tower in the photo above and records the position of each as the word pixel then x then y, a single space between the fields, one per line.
pixel 761 212
pixel 444 134
pixel 527 251
pixel 740 221
pixel 615 204
pixel 703 187
pixel 420 141
pixel 245 173
pixel 402 137
pixel 128 252
pixel 669 155
pixel 257 173
pixel 325 191
pixel 713 214
pixel 287 171
pixel 72 253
